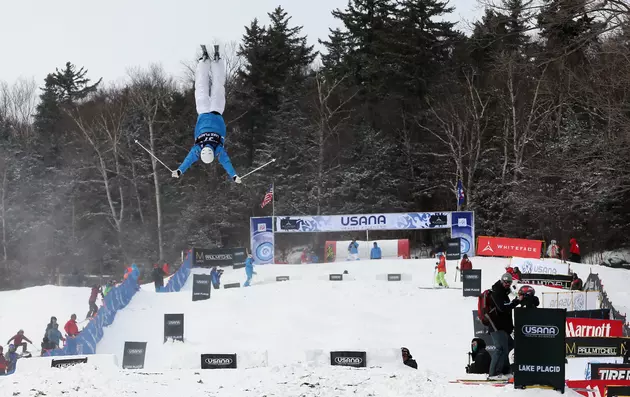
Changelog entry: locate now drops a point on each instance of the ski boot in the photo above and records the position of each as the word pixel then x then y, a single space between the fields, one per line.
pixel 216 53
pixel 204 53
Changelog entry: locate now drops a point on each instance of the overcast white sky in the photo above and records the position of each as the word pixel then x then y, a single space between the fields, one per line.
pixel 108 37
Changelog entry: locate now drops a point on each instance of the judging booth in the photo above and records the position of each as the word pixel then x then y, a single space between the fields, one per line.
pixel 263 229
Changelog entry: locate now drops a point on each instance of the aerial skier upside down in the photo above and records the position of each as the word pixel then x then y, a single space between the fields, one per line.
pixel 210 129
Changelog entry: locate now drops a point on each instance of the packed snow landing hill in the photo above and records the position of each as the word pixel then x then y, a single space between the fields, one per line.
pixel 282 334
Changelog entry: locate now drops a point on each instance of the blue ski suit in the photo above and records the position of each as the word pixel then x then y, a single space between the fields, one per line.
pixel 209 131
pixel 249 271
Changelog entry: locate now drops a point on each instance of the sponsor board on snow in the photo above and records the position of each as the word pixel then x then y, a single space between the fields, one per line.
pixel 348 358
pixel 335 277
pixel 201 287
pixel 282 278
pixel 454 249
pixel 537 266
pixel 596 347
pixel 232 285
pixel 610 371
pixel 551 280
pixel 505 246
pixel 597 388
pixel 539 351
pixel 218 361
pixel 571 300
pixel 394 277
pixel 68 362
pixel 599 314
pixel 134 354
pixel 587 327
pixel 471 282
pixel 174 327
pixel 219 257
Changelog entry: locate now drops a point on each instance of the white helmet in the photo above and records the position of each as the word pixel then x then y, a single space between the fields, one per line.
pixel 207 155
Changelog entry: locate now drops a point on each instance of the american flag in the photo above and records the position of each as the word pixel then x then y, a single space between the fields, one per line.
pixel 268 197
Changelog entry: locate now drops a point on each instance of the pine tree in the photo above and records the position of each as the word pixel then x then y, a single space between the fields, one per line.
pixel 276 59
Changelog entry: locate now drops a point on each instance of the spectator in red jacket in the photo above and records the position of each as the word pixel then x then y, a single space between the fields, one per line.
pixel 465 264
pixel 71 327
pixel 304 257
pixel 166 269
pixel 575 251
pixel 18 340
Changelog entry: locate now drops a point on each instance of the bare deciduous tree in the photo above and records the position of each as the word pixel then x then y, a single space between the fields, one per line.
pixel 150 92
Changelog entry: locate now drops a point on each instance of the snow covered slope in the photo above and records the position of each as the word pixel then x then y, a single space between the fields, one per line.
pixel 282 331
pixel 30 309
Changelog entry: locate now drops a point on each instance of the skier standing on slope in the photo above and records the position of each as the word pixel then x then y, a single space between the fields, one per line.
pixel 441 271
pixel 20 339
pixel 249 269
pixel 353 250
pixel 502 326
pixel 96 289
pixel 210 129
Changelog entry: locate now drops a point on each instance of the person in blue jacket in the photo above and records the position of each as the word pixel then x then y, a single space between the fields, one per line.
pixel 54 336
pixel 215 277
pixel 353 250
pixel 210 129
pixel 375 253
pixel 249 269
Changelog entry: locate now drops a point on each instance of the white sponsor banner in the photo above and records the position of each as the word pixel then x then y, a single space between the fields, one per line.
pixel 571 300
pixel 536 266
pixel 337 223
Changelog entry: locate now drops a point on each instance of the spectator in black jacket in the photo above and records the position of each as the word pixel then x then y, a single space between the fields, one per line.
pixel 576 284
pixel 501 326
pixel 480 356
pixel 530 300
pixel 158 277
pixel 408 358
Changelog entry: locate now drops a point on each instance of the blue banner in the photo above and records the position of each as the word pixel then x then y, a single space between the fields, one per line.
pixel 85 342
pixel 463 226
pixel 262 240
pixel 178 280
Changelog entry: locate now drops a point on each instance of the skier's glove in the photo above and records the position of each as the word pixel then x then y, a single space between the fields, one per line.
pixel 176 174
pixel 237 179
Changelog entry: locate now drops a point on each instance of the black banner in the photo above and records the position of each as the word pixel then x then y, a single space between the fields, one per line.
pixel 472 282
pixel 480 330
pixel 596 347
pixel 219 257
pixel 218 361
pixel 282 278
pixel 68 362
pixel 349 359
pixel 232 285
pixel 174 327
pixel 335 277
pixel 539 351
pixel 133 356
pixel 617 391
pixel 394 277
pixel 453 249
pixel 610 371
pixel 547 279
pixel 598 314
pixel 201 287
